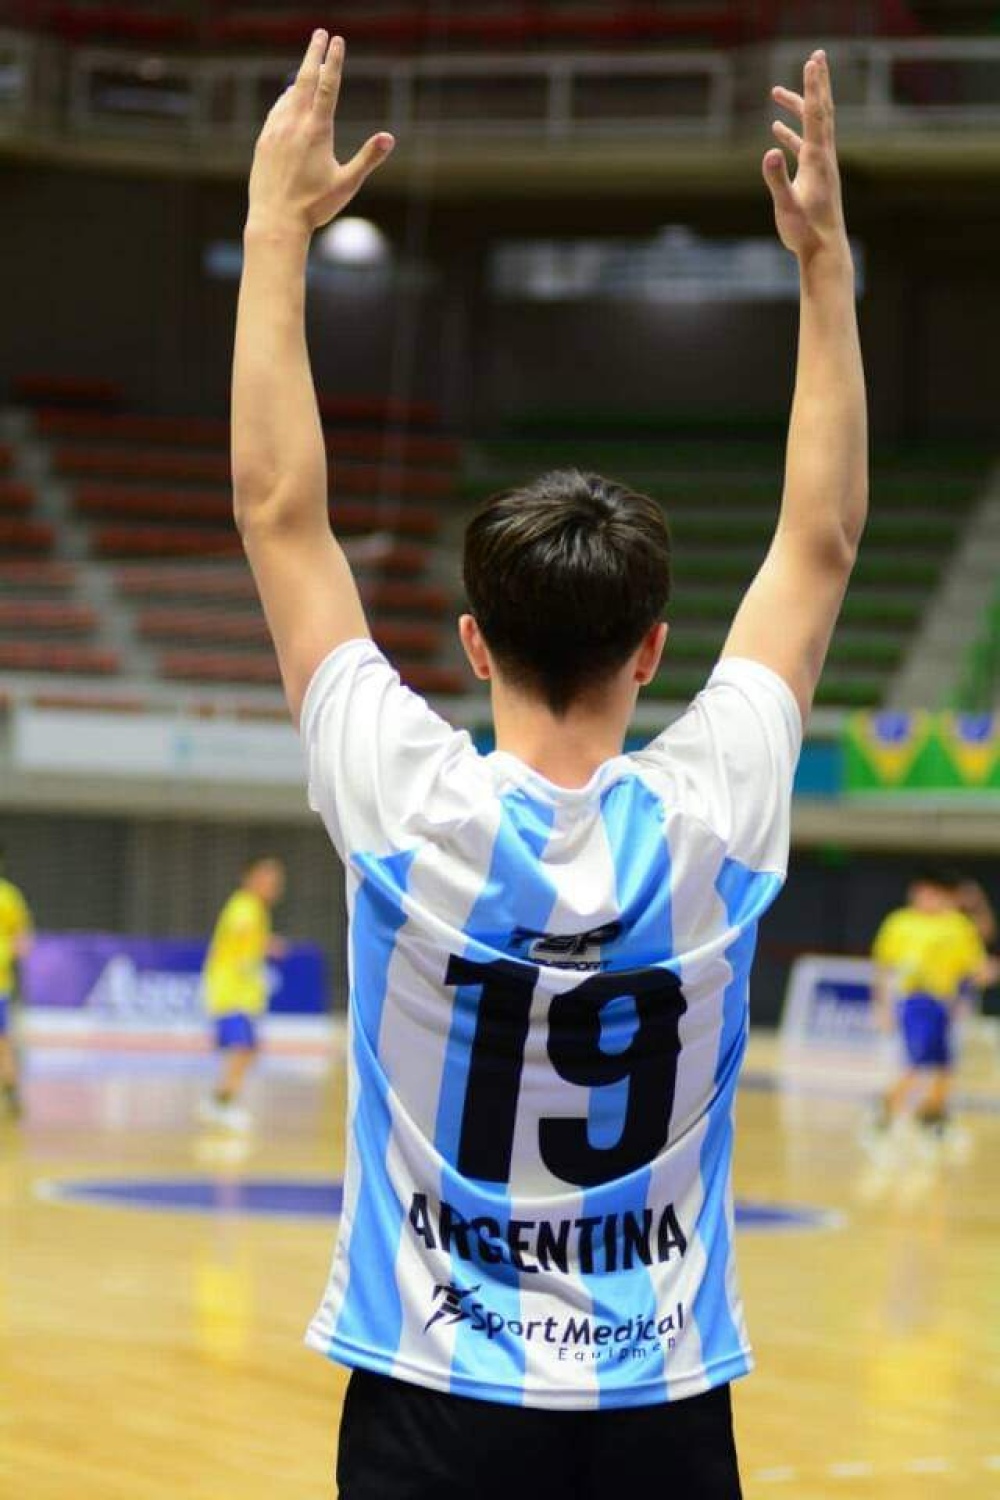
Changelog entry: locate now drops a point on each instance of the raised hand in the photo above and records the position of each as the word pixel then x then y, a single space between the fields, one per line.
pixel 808 210
pixel 297 181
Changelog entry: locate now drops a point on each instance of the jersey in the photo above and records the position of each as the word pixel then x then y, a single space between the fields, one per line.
pixel 15 923
pixel 547 1016
pixel 931 953
pixel 235 976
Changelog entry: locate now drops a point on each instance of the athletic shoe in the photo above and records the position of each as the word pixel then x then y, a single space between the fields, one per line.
pixel 219 1116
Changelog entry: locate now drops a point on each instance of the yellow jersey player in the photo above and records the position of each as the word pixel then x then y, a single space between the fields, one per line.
pixel 15 938
pixel 928 953
pixel 235 984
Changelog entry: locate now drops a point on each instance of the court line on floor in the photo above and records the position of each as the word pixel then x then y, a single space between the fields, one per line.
pixel 759 1081
pixel 849 1469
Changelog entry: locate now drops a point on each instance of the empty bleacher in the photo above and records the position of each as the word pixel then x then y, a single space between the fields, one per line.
pixel 149 502
pixel 721 495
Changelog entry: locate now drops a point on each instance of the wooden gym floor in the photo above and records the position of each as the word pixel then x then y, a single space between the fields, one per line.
pixel 147 1354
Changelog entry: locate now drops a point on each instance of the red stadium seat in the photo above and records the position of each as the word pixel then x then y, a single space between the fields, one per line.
pixel 426 678
pixel 397 447
pixel 67 390
pixel 16 499
pixel 164 541
pixel 250 629
pixel 142 463
pixel 186 581
pixel 195 432
pixel 246 667
pixel 18 535
pixel 220 666
pixel 213 507
pixel 39 656
pixel 379 410
pixel 45 616
pixel 203 625
pixel 400 597
pixel 36 577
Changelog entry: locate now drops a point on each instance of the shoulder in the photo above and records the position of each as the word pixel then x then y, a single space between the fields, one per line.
pixel 11 897
pixel 242 907
pixel 729 760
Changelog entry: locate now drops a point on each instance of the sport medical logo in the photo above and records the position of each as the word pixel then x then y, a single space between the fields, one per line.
pixel 574 1337
pixel 451 1309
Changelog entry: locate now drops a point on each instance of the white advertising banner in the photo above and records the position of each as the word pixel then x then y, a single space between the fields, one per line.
pixel 88 742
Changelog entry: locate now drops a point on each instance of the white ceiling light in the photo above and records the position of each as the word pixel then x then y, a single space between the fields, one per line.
pixel 353 242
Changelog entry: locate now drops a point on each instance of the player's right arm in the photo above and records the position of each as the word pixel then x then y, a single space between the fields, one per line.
pixel 886 955
pixel 788 615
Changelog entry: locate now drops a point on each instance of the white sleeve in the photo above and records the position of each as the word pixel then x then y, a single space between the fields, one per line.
pixel 733 755
pixel 380 761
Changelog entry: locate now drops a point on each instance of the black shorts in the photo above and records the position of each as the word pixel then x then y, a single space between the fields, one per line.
pixel 401 1442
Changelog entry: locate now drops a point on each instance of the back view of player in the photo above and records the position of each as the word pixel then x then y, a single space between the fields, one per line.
pixel 549 946
pixel 928 952
pixel 15 936
pixel 235 985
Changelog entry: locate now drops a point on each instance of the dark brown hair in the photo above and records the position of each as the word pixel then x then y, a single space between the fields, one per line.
pixel 564 578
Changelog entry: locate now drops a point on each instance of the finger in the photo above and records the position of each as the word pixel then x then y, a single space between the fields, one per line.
pixel 789 138
pixel 372 154
pixel 307 77
pixel 777 178
pixel 790 100
pixel 328 83
pixel 818 108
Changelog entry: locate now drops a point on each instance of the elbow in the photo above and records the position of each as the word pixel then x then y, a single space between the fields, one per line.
pixel 254 500
pixel 840 543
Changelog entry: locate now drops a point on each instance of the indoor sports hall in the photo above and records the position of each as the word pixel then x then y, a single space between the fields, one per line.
pixel 569 261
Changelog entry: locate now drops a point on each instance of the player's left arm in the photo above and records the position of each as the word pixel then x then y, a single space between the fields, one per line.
pixel 278 453
pixel 974 902
pixel 787 617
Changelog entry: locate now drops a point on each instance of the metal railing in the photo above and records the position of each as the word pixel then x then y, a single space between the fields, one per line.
pixel 549 98
pixel 883 85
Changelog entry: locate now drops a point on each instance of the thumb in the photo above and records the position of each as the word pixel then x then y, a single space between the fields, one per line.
pixel 372 154
pixel 777 178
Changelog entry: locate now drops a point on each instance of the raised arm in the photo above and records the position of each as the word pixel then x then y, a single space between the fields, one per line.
pixel 278 452
pixel 787 617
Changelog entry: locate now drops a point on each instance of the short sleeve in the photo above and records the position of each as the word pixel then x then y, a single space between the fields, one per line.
pixel 383 767
pixel 885 948
pixel 733 757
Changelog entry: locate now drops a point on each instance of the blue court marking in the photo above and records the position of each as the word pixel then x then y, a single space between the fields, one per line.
pixel 301 1198
pixel 316 1198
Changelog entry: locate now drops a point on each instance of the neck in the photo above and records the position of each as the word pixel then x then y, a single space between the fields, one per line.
pixel 566 750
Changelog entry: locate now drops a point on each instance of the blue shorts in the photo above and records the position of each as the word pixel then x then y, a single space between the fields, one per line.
pixel 926 1027
pixel 235 1030
pixel 4 1014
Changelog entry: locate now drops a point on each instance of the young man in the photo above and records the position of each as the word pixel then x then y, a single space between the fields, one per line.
pixel 534 1280
pixel 15 939
pixel 235 985
pixel 929 952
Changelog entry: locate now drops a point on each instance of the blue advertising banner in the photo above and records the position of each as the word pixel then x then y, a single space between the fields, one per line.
pixel 153 981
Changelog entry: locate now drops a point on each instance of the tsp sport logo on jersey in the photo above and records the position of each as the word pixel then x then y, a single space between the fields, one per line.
pixel 579 950
pixel 451 1309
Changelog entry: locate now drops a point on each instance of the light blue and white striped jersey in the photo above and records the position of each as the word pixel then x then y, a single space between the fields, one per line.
pixel 548 1012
